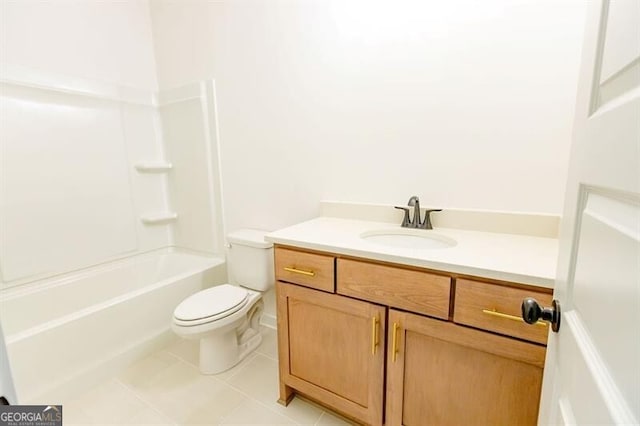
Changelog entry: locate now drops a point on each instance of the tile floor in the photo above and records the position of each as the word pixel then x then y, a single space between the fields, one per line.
pixel 166 388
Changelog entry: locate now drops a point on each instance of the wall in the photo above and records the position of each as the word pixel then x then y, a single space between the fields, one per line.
pixel 466 104
pixel 84 73
pixel 107 41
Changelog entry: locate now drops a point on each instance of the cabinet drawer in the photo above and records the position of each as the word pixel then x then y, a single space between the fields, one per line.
pixel 307 269
pixel 415 291
pixel 477 304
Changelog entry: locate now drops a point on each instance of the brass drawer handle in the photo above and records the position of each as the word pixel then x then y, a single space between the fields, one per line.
pixel 394 349
pixel 495 313
pixel 300 271
pixel 374 334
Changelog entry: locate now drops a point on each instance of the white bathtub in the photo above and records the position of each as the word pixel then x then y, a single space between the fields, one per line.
pixel 63 334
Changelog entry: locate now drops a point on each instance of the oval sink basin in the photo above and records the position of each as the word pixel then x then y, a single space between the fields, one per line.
pixel 408 238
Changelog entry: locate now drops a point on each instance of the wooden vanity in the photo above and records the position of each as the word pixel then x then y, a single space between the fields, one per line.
pixel 391 344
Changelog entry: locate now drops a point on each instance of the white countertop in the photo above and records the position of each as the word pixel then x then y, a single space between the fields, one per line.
pixel 515 258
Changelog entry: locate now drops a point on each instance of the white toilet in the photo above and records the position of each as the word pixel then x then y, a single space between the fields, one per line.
pixel 226 318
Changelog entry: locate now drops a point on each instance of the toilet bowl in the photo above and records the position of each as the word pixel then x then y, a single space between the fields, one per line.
pixel 226 318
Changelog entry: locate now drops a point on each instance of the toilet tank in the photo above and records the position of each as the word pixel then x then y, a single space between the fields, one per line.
pixel 250 259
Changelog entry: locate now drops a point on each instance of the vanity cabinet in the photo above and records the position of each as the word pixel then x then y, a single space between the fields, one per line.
pixel 397 345
pixel 412 290
pixel 311 270
pixel 496 308
pixel 331 348
pixel 439 373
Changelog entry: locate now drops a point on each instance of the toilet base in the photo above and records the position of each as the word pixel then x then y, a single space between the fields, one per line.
pixel 226 342
pixel 220 352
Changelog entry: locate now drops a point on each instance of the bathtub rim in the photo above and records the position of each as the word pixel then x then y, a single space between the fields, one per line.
pixel 52 281
pixel 25 333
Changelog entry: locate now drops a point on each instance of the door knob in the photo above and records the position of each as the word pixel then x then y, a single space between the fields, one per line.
pixel 532 312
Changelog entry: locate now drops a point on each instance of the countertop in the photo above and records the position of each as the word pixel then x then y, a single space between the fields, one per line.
pixel 509 257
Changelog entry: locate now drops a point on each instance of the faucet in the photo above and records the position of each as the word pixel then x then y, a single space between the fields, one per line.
pixel 414 202
pixel 416 222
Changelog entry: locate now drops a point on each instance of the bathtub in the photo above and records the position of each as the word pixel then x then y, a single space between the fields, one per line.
pixel 67 333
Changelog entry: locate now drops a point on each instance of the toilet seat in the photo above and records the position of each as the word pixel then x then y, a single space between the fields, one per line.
pixel 210 305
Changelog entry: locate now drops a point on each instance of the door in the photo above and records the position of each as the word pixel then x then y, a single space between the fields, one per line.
pixel 592 371
pixel 335 350
pixel 441 373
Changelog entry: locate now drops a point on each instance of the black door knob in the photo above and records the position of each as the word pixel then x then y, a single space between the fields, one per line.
pixel 532 312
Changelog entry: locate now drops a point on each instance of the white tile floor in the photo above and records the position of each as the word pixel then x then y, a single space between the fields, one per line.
pixel 166 388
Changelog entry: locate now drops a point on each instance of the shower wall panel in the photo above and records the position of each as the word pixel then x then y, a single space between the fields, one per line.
pixel 188 129
pixel 69 195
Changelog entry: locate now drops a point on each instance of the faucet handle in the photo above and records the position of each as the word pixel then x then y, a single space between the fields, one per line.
pixel 405 220
pixel 427 219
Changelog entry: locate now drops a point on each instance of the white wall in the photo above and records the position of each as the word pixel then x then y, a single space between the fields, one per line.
pixel 108 41
pixel 466 104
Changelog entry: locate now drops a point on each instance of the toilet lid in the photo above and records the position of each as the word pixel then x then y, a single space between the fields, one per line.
pixel 218 301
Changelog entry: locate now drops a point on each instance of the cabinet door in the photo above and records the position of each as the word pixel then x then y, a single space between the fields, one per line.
pixel 331 348
pixel 441 373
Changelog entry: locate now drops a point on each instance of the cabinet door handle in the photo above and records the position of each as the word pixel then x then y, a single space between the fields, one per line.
pixel 394 349
pixel 495 313
pixel 300 271
pixel 374 334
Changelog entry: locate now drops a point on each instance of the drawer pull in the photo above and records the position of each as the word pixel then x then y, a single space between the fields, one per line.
pixel 495 313
pixel 374 334
pixel 300 271
pixel 394 349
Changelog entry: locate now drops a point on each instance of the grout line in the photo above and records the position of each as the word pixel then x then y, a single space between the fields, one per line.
pixel 264 405
pixel 255 400
pixel 252 399
pixel 267 355
pixel 254 355
pixel 179 358
pixel 144 401
pixel 213 377
pixel 249 398
pixel 248 360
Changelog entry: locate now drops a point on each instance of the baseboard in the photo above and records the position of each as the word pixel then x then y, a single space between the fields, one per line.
pixel 99 371
pixel 269 321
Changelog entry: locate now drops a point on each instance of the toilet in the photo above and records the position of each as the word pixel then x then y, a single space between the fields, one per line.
pixel 226 318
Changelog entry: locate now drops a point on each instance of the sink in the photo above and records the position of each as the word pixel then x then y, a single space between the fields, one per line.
pixel 408 238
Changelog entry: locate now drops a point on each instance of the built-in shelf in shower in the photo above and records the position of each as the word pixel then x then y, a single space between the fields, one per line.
pixel 153 166
pixel 159 218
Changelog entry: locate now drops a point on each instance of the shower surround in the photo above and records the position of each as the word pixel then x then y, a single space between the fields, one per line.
pixel 110 215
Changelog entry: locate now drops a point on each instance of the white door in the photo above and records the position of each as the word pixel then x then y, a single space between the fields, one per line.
pixel 592 372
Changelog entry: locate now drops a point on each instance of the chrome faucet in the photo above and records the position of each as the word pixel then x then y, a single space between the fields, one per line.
pixel 416 222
